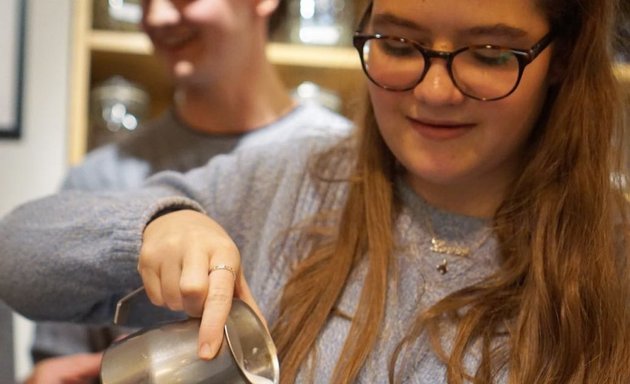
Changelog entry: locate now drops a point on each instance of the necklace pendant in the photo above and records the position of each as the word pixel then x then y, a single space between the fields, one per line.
pixel 442 267
pixel 439 246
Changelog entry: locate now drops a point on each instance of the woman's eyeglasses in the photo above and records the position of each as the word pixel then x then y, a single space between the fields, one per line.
pixel 481 72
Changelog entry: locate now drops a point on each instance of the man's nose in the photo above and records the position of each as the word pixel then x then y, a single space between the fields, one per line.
pixel 158 13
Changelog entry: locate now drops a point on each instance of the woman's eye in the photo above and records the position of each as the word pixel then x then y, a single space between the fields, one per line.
pixel 397 48
pixel 492 56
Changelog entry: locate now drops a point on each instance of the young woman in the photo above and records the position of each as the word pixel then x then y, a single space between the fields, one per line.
pixel 473 229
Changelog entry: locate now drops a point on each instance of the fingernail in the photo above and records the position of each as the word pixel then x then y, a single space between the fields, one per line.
pixel 205 352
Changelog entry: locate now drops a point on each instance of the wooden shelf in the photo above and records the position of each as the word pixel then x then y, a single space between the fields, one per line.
pixel 313 56
pixel 120 42
pixel 279 53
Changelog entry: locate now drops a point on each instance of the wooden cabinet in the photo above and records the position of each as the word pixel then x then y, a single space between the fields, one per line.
pixel 100 54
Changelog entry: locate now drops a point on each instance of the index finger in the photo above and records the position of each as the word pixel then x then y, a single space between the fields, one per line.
pixel 217 306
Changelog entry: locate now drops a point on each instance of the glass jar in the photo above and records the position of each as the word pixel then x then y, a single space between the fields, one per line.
pixel 117 107
pixel 321 22
pixel 117 15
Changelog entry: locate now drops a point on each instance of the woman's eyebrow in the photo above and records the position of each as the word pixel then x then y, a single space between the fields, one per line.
pixel 388 19
pixel 495 30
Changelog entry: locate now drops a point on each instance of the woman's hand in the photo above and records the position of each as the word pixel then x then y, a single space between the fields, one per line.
pixel 188 262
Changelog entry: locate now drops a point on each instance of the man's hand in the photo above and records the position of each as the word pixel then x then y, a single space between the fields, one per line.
pixel 81 368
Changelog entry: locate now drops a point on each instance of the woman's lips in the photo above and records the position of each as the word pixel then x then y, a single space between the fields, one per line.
pixel 440 130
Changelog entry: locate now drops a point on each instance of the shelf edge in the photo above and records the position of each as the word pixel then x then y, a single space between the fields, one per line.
pixel 278 53
pixel 313 56
pixel 121 42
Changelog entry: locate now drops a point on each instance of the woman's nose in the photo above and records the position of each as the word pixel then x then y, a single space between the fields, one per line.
pixel 160 13
pixel 437 87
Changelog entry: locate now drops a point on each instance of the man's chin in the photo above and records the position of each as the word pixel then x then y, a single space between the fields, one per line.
pixel 182 70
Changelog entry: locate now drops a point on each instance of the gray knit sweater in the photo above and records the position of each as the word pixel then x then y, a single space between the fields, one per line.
pixel 73 255
pixel 165 143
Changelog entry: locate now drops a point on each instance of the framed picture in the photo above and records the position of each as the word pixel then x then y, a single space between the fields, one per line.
pixel 12 39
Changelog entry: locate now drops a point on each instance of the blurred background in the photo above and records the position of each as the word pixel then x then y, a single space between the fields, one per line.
pixel 89 78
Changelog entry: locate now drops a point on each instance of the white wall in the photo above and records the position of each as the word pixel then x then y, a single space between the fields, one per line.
pixel 33 165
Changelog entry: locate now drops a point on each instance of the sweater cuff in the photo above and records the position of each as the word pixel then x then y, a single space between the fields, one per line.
pixel 169 205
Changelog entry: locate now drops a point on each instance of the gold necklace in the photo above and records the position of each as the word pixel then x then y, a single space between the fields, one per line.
pixel 442 247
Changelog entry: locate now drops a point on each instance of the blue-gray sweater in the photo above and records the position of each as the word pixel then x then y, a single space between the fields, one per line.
pixel 165 143
pixel 73 255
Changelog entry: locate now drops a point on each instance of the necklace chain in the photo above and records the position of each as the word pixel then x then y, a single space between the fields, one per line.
pixel 442 247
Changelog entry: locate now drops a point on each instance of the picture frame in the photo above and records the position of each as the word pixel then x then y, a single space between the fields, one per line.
pixel 12 43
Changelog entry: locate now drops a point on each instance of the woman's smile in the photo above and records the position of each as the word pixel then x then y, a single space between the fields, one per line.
pixel 440 129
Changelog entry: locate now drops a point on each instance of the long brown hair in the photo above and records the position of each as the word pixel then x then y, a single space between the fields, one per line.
pixel 561 293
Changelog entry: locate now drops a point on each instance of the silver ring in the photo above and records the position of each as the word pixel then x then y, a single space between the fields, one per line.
pixel 223 267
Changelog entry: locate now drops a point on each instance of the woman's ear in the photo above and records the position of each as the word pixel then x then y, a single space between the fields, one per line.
pixel 264 8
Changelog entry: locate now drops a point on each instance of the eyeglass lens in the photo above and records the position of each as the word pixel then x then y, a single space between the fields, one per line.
pixel 480 72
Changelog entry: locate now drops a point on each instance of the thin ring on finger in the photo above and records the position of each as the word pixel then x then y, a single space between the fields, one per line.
pixel 223 267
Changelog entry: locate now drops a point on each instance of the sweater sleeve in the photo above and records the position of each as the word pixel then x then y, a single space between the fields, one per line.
pixel 73 255
pixel 107 168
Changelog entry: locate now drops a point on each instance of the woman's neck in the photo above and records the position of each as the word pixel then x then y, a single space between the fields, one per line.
pixel 478 198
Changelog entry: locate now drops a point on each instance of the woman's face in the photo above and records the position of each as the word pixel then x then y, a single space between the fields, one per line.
pixel 199 40
pixel 451 145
